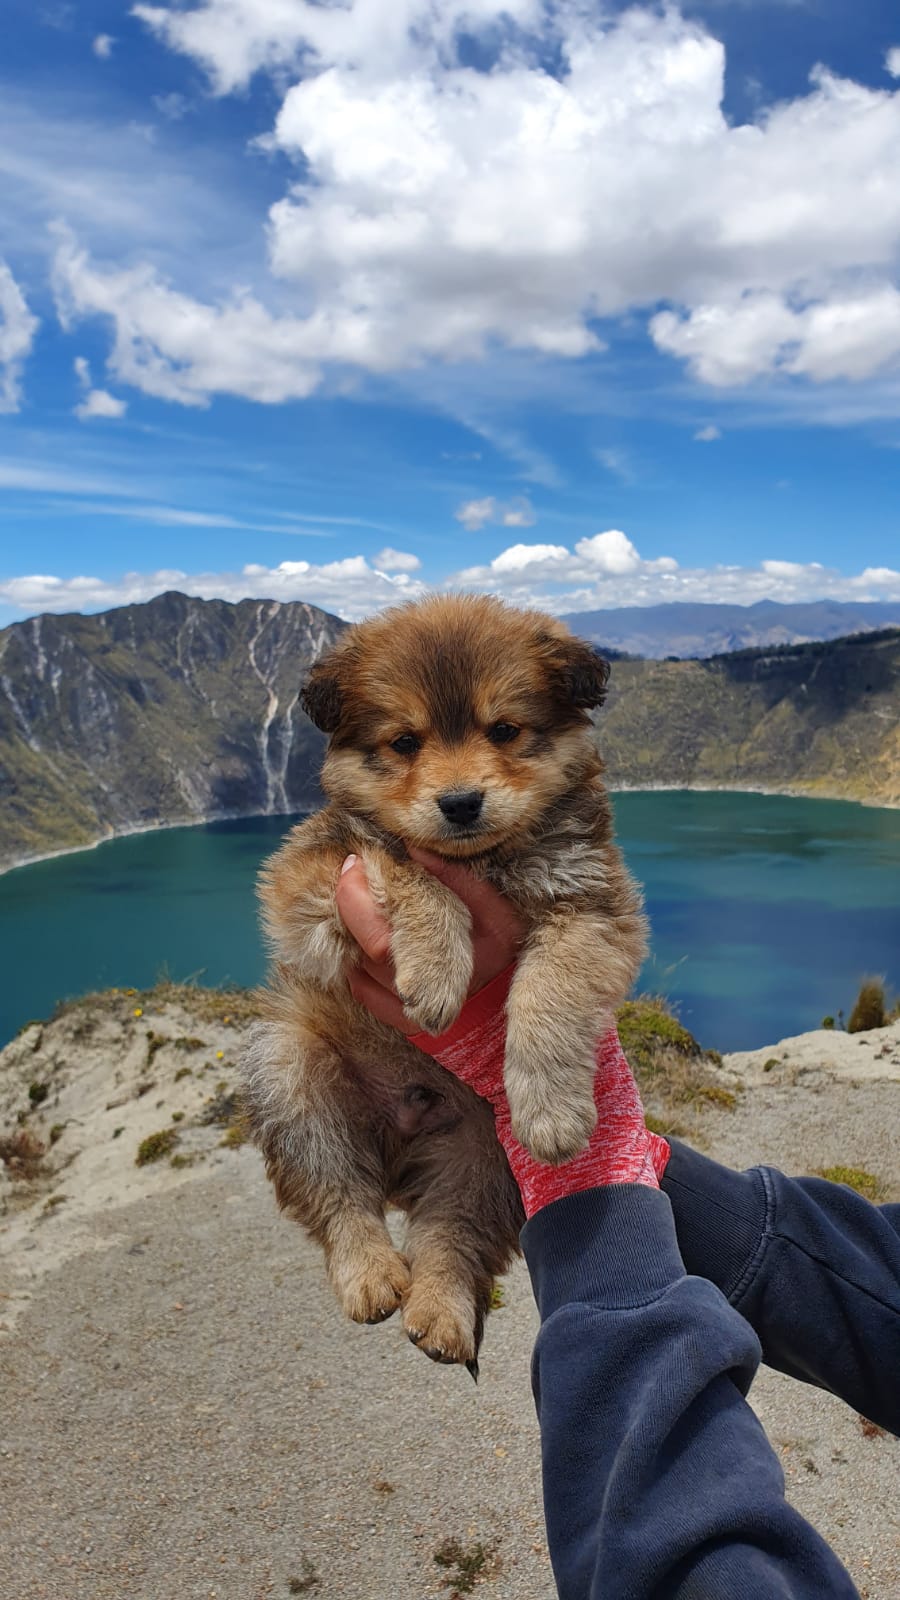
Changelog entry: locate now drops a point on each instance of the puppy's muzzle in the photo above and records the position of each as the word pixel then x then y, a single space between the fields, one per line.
pixel 462 807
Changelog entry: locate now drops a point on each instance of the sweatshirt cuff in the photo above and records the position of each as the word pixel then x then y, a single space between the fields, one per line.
pixel 482 1008
pixel 721 1218
pixel 613 1247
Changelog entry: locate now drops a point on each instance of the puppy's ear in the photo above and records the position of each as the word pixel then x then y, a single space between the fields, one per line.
pixel 321 696
pixel 582 672
pixel 587 674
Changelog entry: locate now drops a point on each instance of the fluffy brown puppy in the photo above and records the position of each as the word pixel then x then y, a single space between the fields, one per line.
pixel 460 726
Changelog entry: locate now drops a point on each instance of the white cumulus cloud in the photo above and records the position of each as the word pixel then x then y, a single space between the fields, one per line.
pixel 708 434
pixel 775 242
pixel 349 587
pixel 103 46
pixel 17 330
pixel 547 576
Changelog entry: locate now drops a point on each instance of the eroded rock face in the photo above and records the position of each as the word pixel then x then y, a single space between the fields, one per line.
pixel 817 719
pixel 174 711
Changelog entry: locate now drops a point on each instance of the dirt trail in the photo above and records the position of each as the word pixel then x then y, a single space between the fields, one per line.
pixel 186 1415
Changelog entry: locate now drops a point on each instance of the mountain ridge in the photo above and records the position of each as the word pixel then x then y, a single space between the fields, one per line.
pixel 181 710
pixel 689 629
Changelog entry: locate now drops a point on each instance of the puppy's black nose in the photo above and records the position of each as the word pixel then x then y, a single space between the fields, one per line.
pixel 462 807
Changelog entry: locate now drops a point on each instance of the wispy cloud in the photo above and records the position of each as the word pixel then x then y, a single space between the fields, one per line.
pixel 18 327
pixel 162 516
pixel 96 402
pixel 617 461
pixel 516 513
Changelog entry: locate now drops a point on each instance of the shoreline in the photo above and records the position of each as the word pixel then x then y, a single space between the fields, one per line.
pixel 132 833
pixel 622 788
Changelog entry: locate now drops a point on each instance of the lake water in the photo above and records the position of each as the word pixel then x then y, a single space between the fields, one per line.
pixel 765 911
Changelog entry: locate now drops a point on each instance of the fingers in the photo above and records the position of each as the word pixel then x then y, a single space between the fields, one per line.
pixel 379 1001
pixel 360 914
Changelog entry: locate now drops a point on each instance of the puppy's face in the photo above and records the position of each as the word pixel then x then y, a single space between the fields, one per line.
pixel 456 722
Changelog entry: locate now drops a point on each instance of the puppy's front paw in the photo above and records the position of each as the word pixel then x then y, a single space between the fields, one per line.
pixel 433 983
pixel 550 1088
pixel 555 1134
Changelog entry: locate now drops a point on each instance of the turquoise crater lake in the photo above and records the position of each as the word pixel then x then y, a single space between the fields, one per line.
pixel 765 910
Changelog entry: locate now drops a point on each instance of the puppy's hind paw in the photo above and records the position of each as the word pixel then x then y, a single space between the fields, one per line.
pixel 372 1290
pixel 442 1326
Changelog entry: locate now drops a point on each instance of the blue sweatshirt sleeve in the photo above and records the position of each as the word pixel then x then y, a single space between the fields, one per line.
pixel 813 1267
pixel 659 1483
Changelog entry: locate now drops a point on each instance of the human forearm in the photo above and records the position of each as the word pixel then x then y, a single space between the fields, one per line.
pixel 658 1479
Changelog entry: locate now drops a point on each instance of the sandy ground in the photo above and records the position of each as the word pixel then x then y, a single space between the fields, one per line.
pixel 185 1414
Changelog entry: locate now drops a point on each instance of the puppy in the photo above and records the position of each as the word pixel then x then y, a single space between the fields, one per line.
pixel 460 726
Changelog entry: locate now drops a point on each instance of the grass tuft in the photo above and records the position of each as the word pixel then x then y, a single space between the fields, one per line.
pixel 672 1069
pixel 865 1183
pixel 870 1008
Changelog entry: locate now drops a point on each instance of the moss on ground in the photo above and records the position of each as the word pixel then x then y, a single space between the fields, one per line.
pixel 466 1565
pixel 673 1071
pixel 865 1183
pixel 156 1146
pixel 229 1006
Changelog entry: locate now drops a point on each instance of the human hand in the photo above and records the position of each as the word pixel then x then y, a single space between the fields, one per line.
pixel 620 1150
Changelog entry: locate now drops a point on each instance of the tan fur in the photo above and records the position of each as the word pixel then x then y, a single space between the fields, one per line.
pixel 350 1116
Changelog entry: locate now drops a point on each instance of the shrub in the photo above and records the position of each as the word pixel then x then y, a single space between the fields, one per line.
pixel 827 1022
pixel 869 1010
pixel 38 1092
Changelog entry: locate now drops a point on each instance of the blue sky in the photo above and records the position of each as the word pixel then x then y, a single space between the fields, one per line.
pixel 581 305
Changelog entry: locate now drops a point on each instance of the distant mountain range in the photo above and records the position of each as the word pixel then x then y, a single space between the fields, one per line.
pixel 682 629
pixel 181 710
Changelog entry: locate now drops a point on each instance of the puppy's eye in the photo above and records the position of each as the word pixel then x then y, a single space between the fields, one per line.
pixel 406 745
pixel 503 732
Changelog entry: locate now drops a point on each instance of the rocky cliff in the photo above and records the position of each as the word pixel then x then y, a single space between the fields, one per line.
pixel 163 713
pixel 180 710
